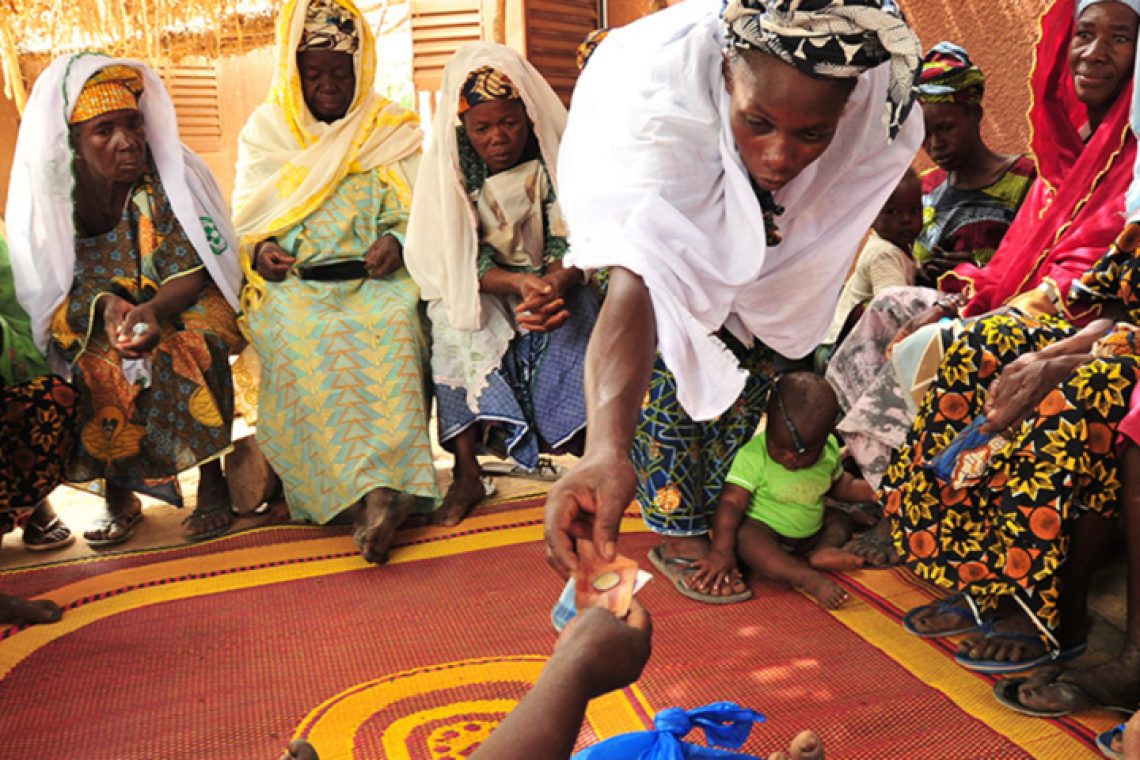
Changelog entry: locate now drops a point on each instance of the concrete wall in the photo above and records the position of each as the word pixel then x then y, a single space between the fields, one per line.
pixel 999 35
pixel 243 83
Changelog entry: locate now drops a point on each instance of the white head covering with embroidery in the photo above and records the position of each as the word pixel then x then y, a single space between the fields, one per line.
pixel 41 225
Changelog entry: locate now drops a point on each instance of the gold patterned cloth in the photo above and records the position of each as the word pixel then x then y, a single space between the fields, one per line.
pixel 485 84
pixel 329 26
pixel 113 88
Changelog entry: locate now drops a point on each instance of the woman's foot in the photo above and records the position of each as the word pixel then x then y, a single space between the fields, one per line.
pixel 465 492
pixel 17 611
pixel 44 531
pixel 118 524
pixel 384 510
pixel 1111 684
pixel 212 516
pixel 946 617
pixel 1012 644
pixel 827 592
pixel 875 546
pixel 806 746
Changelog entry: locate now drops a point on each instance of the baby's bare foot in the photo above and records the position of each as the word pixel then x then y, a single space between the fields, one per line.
pixel 827 592
pixel 835 559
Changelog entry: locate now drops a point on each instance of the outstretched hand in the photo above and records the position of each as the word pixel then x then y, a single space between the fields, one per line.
pixel 588 502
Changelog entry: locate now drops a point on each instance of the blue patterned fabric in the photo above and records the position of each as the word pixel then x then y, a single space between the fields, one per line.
pixel 681 464
pixel 534 401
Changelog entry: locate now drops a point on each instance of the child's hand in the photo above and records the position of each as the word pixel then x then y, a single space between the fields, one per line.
pixel 716 570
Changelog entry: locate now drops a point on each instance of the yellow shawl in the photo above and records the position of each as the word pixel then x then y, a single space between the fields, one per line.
pixel 289 163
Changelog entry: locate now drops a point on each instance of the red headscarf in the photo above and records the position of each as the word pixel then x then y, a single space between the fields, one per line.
pixel 1075 209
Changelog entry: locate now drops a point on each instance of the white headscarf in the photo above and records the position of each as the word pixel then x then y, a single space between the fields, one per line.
pixel 1084 4
pixel 443 237
pixel 41 224
pixel 651 180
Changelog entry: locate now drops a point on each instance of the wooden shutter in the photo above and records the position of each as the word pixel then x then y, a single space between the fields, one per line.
pixel 554 29
pixel 194 89
pixel 439 28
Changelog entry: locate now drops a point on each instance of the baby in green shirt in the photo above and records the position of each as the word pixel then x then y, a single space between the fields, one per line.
pixel 771 512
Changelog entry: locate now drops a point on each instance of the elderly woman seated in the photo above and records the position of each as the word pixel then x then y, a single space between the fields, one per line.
pixel 321 197
pixel 486 240
pixel 124 260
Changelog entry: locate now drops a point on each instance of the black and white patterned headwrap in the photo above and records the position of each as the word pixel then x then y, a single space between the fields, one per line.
pixel 834 38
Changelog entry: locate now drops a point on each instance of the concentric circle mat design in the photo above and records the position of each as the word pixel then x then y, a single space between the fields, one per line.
pixel 229 649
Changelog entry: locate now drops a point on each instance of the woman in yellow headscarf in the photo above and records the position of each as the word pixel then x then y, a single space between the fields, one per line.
pixel 124 260
pixel 321 196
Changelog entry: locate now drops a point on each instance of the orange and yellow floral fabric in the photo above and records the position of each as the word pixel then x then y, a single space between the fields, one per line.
pixel 127 432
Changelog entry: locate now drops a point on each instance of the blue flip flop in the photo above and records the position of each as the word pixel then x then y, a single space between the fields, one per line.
pixel 1104 742
pixel 1004 667
pixel 951 604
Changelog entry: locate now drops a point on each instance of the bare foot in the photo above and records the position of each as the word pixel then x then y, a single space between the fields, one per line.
pixel 875 546
pixel 827 592
pixel 806 746
pixel 465 492
pixel 384 511
pixel 299 749
pixel 835 559
pixel 17 611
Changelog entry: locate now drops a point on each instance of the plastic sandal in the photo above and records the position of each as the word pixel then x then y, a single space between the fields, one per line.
pixel 1004 666
pixel 1006 692
pixel 118 529
pixel 948 605
pixel 1104 742
pixel 676 568
pixel 45 538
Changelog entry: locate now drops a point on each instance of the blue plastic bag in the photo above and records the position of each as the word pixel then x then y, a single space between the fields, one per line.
pixel 725 724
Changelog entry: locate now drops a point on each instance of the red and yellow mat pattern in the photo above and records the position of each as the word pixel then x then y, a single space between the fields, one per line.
pixel 229 649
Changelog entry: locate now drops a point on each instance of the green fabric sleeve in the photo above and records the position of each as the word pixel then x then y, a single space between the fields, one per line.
pixel 20 360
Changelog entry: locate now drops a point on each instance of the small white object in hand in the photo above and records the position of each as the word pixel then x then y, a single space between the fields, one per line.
pixel 140 329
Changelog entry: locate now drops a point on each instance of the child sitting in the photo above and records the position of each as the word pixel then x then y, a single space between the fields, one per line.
pixel 885 261
pixel 771 512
